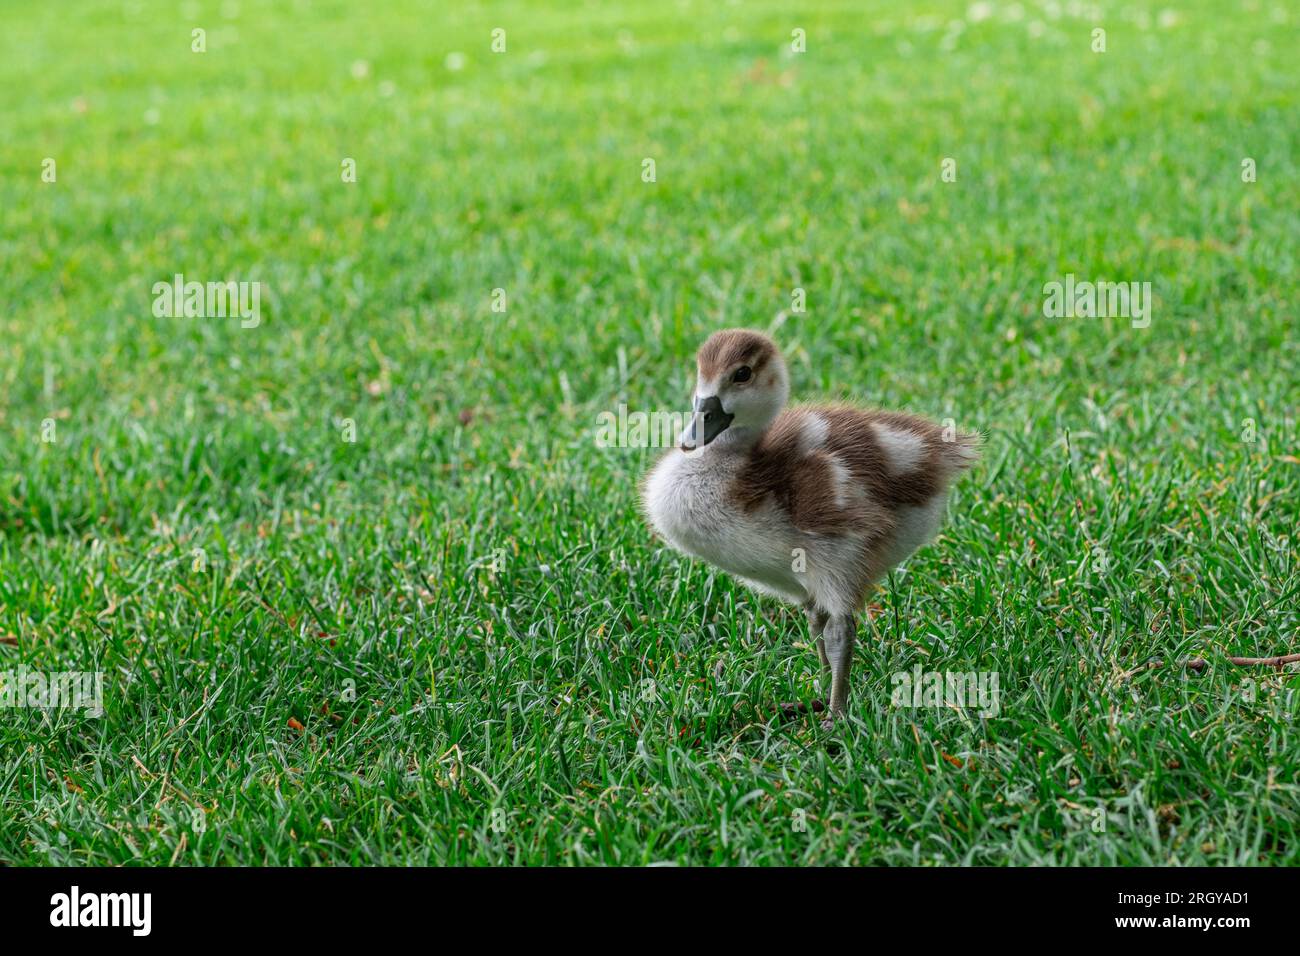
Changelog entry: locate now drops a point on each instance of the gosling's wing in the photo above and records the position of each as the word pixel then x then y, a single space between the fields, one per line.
pixel 900 459
pixel 797 467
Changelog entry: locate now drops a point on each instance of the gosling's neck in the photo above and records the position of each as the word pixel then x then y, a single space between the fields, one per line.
pixel 738 439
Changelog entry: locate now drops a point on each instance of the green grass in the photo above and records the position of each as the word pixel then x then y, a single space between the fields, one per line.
pixel 457 710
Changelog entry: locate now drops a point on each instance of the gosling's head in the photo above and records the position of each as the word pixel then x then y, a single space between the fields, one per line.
pixel 741 385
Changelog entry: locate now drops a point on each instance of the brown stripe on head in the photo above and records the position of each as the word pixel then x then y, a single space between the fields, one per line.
pixel 731 347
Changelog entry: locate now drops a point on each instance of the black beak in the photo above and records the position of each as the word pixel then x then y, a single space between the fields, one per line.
pixel 708 422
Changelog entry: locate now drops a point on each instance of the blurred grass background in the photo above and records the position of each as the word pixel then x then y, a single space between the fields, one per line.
pixel 330 561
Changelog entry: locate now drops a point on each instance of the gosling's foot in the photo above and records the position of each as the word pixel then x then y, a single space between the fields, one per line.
pixel 832 718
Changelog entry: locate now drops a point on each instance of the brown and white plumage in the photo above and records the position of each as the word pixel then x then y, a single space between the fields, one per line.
pixel 813 504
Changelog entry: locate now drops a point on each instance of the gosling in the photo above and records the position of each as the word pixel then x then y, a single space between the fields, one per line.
pixel 811 504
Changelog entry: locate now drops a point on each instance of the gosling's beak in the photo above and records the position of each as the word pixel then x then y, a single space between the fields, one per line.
pixel 708 422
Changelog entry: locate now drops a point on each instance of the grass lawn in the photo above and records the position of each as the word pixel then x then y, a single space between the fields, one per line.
pixel 364 589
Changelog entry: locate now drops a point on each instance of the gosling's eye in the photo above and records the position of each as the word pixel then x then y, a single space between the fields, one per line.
pixel 743 374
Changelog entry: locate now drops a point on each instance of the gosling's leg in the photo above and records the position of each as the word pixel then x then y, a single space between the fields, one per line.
pixel 839 636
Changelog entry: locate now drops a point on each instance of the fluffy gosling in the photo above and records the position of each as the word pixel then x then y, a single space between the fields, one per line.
pixel 812 504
